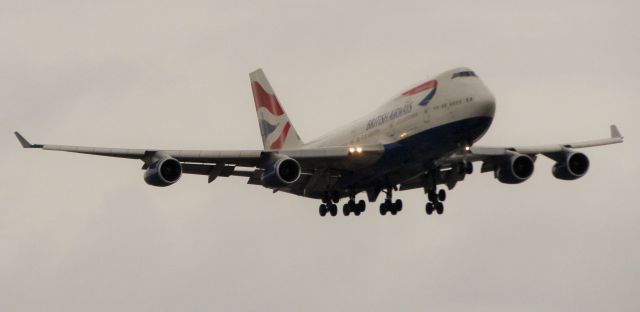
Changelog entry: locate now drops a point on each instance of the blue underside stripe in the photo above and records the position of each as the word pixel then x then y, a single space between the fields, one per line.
pixel 422 148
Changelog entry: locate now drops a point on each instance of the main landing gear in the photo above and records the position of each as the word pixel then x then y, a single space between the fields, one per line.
pixel 328 206
pixel 435 201
pixel 351 206
pixel 389 206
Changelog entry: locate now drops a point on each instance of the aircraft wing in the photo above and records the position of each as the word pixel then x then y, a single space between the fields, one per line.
pixel 492 157
pixel 222 162
pixel 487 154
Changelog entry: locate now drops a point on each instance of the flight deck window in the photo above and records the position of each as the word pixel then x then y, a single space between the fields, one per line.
pixel 464 74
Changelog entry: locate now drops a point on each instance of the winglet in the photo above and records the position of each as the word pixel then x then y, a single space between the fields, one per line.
pixel 24 141
pixel 615 133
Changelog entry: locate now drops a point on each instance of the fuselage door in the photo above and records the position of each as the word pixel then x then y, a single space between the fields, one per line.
pixel 426 115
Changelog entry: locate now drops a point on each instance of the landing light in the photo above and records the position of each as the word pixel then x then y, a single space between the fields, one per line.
pixel 354 150
pixel 467 148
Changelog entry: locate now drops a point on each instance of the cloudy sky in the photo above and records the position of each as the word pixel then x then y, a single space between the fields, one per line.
pixel 82 233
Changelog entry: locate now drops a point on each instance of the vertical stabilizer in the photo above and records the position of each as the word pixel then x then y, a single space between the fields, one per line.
pixel 275 127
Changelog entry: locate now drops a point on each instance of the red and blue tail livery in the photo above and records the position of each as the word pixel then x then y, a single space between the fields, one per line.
pixel 275 128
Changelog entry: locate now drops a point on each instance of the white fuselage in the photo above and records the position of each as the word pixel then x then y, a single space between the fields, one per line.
pixel 402 117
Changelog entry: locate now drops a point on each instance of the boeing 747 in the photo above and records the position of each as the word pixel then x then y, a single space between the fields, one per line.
pixel 422 138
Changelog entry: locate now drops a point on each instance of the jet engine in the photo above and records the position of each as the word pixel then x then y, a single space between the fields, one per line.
pixel 163 172
pixel 516 169
pixel 281 172
pixel 572 166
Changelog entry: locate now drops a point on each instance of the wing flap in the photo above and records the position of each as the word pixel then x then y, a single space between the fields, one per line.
pixel 242 158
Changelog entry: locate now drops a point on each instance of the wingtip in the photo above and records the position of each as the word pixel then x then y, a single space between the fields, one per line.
pixel 24 141
pixel 615 133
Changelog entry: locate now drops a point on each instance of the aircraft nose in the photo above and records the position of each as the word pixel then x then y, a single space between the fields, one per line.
pixel 486 105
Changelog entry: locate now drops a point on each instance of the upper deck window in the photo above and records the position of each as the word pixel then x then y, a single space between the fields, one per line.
pixel 464 74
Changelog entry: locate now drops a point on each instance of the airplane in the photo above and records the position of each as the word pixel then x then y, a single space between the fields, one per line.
pixel 422 138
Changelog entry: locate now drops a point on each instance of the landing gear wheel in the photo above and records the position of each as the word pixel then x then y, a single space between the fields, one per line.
pixel 390 207
pixel 383 209
pixel 323 210
pixel 335 197
pixel 398 205
pixel 429 208
pixel 442 195
pixel 346 209
pixel 361 207
pixel 333 209
pixel 439 208
pixel 432 196
pixel 468 168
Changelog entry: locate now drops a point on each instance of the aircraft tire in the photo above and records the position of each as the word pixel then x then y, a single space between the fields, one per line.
pixel 383 209
pixel 442 195
pixel 323 210
pixel 346 209
pixel 429 208
pixel 333 210
pixel 398 205
pixel 335 197
pixel 432 196
pixel 439 208
pixel 468 168
pixel 361 207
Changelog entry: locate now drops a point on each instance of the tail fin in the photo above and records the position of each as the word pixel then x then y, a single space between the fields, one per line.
pixel 276 129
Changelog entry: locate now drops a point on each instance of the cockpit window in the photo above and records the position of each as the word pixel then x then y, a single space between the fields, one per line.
pixel 464 74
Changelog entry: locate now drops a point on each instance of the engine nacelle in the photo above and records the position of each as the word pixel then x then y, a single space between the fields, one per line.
pixel 281 172
pixel 573 166
pixel 517 169
pixel 163 172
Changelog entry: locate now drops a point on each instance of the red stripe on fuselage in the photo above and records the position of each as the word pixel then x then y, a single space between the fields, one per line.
pixel 279 142
pixel 266 100
pixel 425 86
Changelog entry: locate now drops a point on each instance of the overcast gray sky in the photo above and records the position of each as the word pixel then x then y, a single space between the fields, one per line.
pixel 82 233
